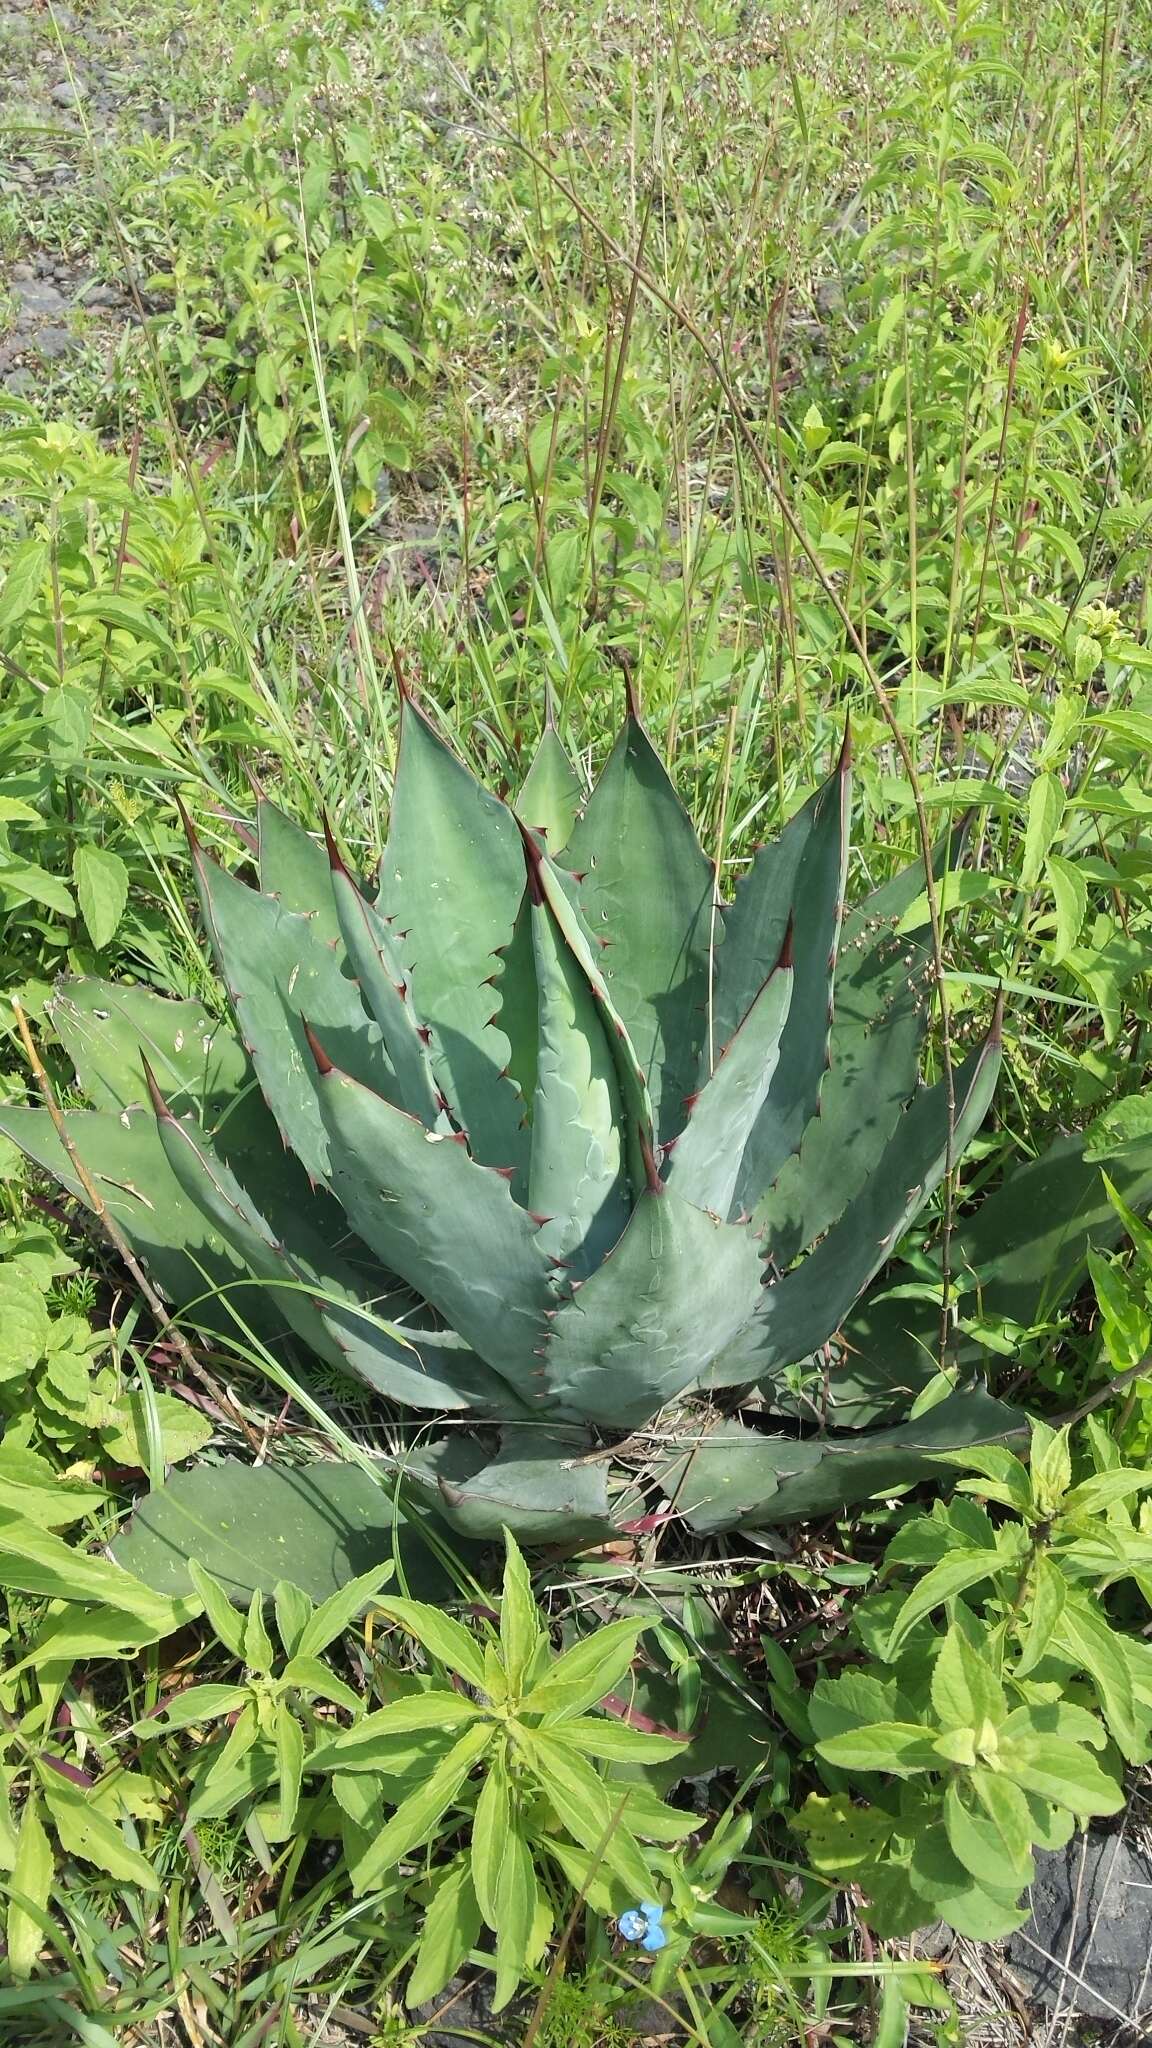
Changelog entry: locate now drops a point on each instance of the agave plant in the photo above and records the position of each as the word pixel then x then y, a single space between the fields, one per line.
pixel 539 1133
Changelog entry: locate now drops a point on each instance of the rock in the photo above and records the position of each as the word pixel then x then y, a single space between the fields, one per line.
pixel 38 299
pixel 52 342
pixel 21 273
pixel 462 2014
pixel 20 382
pixel 65 94
pixel 1092 1910
pixel 656 2019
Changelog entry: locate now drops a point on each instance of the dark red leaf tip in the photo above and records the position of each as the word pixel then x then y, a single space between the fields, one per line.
pixel 323 1064
pixel 996 1033
pixel 336 859
pixel 532 859
pixel 160 1107
pixel 404 692
pixel 786 955
pixel 845 760
pixel 193 837
pixel 655 1184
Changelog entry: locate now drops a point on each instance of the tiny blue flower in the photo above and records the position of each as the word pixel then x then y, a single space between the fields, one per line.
pixel 642 1923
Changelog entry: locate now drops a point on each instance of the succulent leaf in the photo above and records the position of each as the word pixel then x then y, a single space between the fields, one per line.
pixel 705 1160
pixel 375 961
pixel 279 970
pixel 734 1476
pixel 804 1309
pixel 1025 1247
pixel 555 889
pixel 451 880
pixel 474 1217
pixel 551 792
pixel 674 1293
pixel 316 1291
pixel 293 867
pixel 187 1257
pixel 883 997
pixel 576 1173
pixel 105 1027
pixel 819 847
pixel 315 1528
pixel 647 887
pixel 540 1483
pixel 446 1224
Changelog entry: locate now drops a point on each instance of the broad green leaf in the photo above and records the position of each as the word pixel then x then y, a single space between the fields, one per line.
pixel 491 1831
pixel 1061 1771
pixel 289 1764
pixel 614 1742
pixel 188 1709
pixel 416 1817
pixel 85 1831
pixel 316 1678
pixel 101 880
pixel 27 568
pixel 994 1848
pixel 893 1746
pixel 293 1612
pixel 22 881
pixel 32 1873
pixel 442 1637
pixel 218 1608
pixel 582 1676
pixel 839 1836
pixel 257 1642
pixel 954 1574
pixel 1070 891
pixel 592 1812
pixel 341 1608
pixel 1083 1634
pixel 123 1429
pixel 1007 1476
pixel 1046 803
pixel 36 1561
pixel 24 1322
pixel 1051 1466
pixel 1102 1490
pixel 1047 1590
pixel 1007 1812
pixel 965 1690
pixel 450 1931
pixel 516 1907
pixel 366 1746
pixel 520 1629
pixel 647 887
pixel 317 1524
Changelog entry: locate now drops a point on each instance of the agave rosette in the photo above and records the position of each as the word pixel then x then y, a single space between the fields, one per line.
pixel 538 1132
